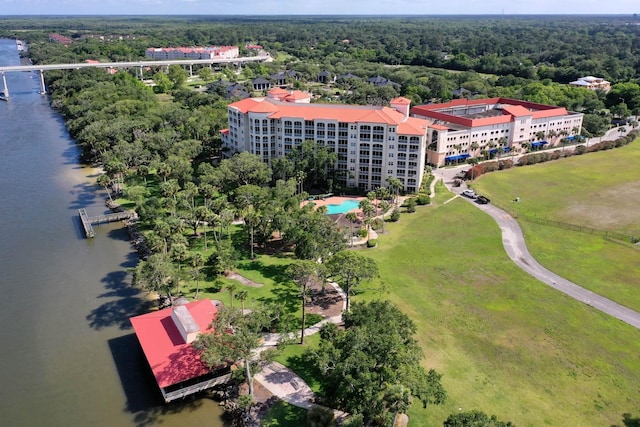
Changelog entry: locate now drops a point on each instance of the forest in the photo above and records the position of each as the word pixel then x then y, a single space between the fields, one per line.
pixel 160 149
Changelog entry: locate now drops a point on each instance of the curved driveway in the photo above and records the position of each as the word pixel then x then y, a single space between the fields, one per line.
pixel 514 244
pixel 516 248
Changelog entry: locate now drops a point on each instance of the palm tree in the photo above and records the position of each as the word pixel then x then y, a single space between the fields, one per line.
pixel 368 211
pixel 197 262
pixel 384 208
pixel 242 297
pixel 352 217
pixel 540 135
pixel 105 182
pixel 232 288
pixel 395 185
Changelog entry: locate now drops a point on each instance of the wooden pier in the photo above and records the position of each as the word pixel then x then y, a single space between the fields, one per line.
pixel 89 221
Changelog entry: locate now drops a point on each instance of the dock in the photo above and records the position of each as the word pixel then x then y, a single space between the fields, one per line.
pixel 89 221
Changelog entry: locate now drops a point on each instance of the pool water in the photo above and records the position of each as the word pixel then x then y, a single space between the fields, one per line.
pixel 343 207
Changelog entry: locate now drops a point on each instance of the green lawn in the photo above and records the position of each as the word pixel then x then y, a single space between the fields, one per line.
pixel 506 344
pixel 599 190
pixel 282 414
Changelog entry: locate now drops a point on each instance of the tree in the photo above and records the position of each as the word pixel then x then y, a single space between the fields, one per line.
pixel 475 418
pixel 105 182
pixel 304 274
pixel 196 262
pixel 205 74
pixel 368 211
pixel 242 296
pixel 384 206
pixel 235 336
pixel 349 269
pixel 395 185
pixel 156 274
pixel 352 217
pixel 373 367
pixel 177 75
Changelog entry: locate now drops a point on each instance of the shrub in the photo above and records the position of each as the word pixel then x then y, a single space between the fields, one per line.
pixel 491 166
pixel 372 243
pixel 555 155
pixel 475 171
pixel 423 199
pixel 376 224
pixel 505 164
pixel 524 160
pixel 580 149
pixel 410 204
pixel 362 232
pixel 395 215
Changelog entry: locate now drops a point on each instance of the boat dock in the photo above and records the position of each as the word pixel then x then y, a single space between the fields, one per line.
pixel 89 221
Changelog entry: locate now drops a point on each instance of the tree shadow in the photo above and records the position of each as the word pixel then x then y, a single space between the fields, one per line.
pixel 143 398
pixel 124 301
pixel 629 420
pixel 305 370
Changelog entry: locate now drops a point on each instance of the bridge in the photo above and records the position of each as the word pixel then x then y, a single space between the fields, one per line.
pixel 127 64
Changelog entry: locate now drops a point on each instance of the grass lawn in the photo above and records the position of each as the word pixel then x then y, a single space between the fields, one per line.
pixel 599 190
pixel 506 344
pixel 282 414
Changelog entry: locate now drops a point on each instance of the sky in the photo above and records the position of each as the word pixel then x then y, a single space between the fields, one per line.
pixel 316 7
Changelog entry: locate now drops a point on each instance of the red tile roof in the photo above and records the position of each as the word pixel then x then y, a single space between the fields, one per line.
pixel 400 100
pixel 337 112
pixel 511 108
pixel 171 359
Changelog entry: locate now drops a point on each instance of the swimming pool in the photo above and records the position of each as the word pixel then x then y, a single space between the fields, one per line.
pixel 343 207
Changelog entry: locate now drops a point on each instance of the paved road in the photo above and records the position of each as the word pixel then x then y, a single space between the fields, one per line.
pixel 516 248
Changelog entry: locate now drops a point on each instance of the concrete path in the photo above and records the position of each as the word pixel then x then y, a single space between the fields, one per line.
pixel 515 246
pixel 282 381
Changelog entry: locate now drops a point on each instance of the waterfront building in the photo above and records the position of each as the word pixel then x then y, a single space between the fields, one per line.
pixel 464 128
pixel 166 336
pixel 373 143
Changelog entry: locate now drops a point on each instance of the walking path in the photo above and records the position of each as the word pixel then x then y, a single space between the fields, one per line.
pixel 515 246
pixel 282 381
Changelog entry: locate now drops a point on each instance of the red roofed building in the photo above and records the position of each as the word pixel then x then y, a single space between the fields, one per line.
pixel 466 128
pixel 373 143
pixel 194 52
pixel 166 336
pixel 58 38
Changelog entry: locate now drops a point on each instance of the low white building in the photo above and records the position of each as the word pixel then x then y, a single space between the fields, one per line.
pixel 592 83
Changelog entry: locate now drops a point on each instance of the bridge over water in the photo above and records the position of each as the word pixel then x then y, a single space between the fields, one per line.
pixel 127 64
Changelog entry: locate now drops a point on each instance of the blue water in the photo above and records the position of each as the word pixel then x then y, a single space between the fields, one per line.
pixel 343 207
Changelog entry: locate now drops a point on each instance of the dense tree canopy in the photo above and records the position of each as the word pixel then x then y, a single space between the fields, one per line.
pixel 366 366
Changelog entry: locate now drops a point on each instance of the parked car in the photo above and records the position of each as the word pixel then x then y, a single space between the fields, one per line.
pixel 482 200
pixel 470 194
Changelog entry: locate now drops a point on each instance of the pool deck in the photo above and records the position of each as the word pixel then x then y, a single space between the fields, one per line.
pixel 335 200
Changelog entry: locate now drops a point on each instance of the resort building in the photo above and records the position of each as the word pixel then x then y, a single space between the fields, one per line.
pixel 373 143
pixel 466 128
pixel 592 83
pixel 166 336
pixel 211 52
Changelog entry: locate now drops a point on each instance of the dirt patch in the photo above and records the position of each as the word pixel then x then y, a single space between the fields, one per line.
pixel 611 209
pixel 243 280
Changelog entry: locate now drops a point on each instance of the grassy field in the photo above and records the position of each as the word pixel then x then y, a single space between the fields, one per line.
pixel 599 190
pixel 506 344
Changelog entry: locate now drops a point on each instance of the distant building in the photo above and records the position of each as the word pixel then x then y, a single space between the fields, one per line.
pixel 281 78
pixel 382 81
pixel 166 336
pixel 373 143
pixel 60 39
pixel 592 83
pixel 260 83
pixel 466 128
pixel 211 52
pixel 326 77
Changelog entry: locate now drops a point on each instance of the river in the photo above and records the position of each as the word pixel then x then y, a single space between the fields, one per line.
pixel 68 354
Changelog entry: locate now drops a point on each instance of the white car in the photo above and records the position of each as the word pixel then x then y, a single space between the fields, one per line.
pixel 470 194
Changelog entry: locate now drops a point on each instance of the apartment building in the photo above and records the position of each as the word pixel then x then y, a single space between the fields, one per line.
pixel 211 52
pixel 466 128
pixel 373 143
